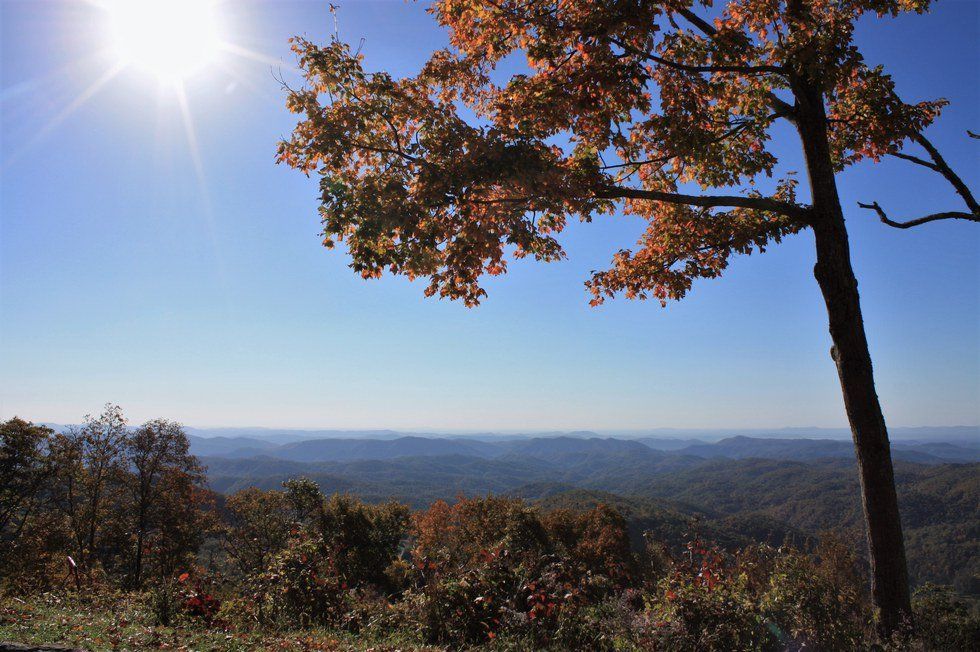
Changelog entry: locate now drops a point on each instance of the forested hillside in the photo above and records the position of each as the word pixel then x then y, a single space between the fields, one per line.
pixel 753 497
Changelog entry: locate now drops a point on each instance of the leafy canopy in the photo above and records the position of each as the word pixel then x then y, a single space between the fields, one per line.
pixel 624 105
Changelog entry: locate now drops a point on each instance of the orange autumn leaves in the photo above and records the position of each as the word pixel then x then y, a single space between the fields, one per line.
pixel 448 174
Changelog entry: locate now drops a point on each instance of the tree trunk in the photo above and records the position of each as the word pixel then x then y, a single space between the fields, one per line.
pixel 889 574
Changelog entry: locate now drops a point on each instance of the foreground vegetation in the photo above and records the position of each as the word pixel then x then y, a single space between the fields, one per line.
pixel 112 541
pixel 106 619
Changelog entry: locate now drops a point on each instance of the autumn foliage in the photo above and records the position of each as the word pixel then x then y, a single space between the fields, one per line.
pixel 625 105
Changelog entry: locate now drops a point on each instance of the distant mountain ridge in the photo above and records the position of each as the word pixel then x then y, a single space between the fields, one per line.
pixel 659 438
pixel 668 436
pixel 739 447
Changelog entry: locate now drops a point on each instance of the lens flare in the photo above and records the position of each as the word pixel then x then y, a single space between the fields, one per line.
pixel 172 39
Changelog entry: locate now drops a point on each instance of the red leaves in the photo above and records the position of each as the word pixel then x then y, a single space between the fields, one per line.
pixel 869 120
pixel 683 244
pixel 196 600
pixel 541 605
pixel 202 605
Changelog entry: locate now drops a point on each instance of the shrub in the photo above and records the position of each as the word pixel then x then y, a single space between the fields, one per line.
pixel 692 614
pixel 945 620
pixel 189 598
pixel 602 626
pixel 464 609
pixel 499 572
pixel 197 598
pixel 300 587
pixel 816 601
pixel 476 563
pixel 464 532
pixel 360 540
pixel 259 523
pixel 705 602
pixel 495 567
pixel 334 566
pixel 595 541
pixel 163 602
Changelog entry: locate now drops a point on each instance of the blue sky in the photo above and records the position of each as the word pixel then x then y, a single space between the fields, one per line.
pixel 130 274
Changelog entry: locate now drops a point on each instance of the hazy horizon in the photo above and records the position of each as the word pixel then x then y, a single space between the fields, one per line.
pixel 667 432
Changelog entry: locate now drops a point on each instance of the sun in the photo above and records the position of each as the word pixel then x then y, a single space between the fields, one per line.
pixel 172 39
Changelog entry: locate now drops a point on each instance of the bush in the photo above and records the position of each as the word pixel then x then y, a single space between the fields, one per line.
pixel 693 614
pixel 493 568
pixel 815 602
pixel 300 588
pixel 259 523
pixel 163 602
pixel 360 540
pixel 184 598
pixel 499 572
pixel 462 609
pixel 333 568
pixel 944 620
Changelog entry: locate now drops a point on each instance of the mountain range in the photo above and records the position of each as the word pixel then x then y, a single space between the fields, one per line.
pixel 738 447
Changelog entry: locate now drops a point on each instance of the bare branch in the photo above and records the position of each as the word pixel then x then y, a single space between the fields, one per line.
pixel 698 22
pixel 948 215
pixel 915 159
pixel 938 164
pixel 943 168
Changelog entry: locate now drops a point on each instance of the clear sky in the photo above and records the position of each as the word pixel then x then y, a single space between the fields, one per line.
pixel 161 260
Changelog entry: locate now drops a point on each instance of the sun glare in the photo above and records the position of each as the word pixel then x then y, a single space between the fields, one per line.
pixel 169 38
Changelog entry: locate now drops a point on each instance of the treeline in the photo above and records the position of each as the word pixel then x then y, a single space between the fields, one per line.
pixel 130 509
pixel 99 501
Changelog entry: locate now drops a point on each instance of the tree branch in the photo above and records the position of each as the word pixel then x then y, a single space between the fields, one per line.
pixel 705 201
pixel 915 159
pixel 943 168
pixel 734 131
pixel 939 165
pixel 948 215
pixel 742 69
